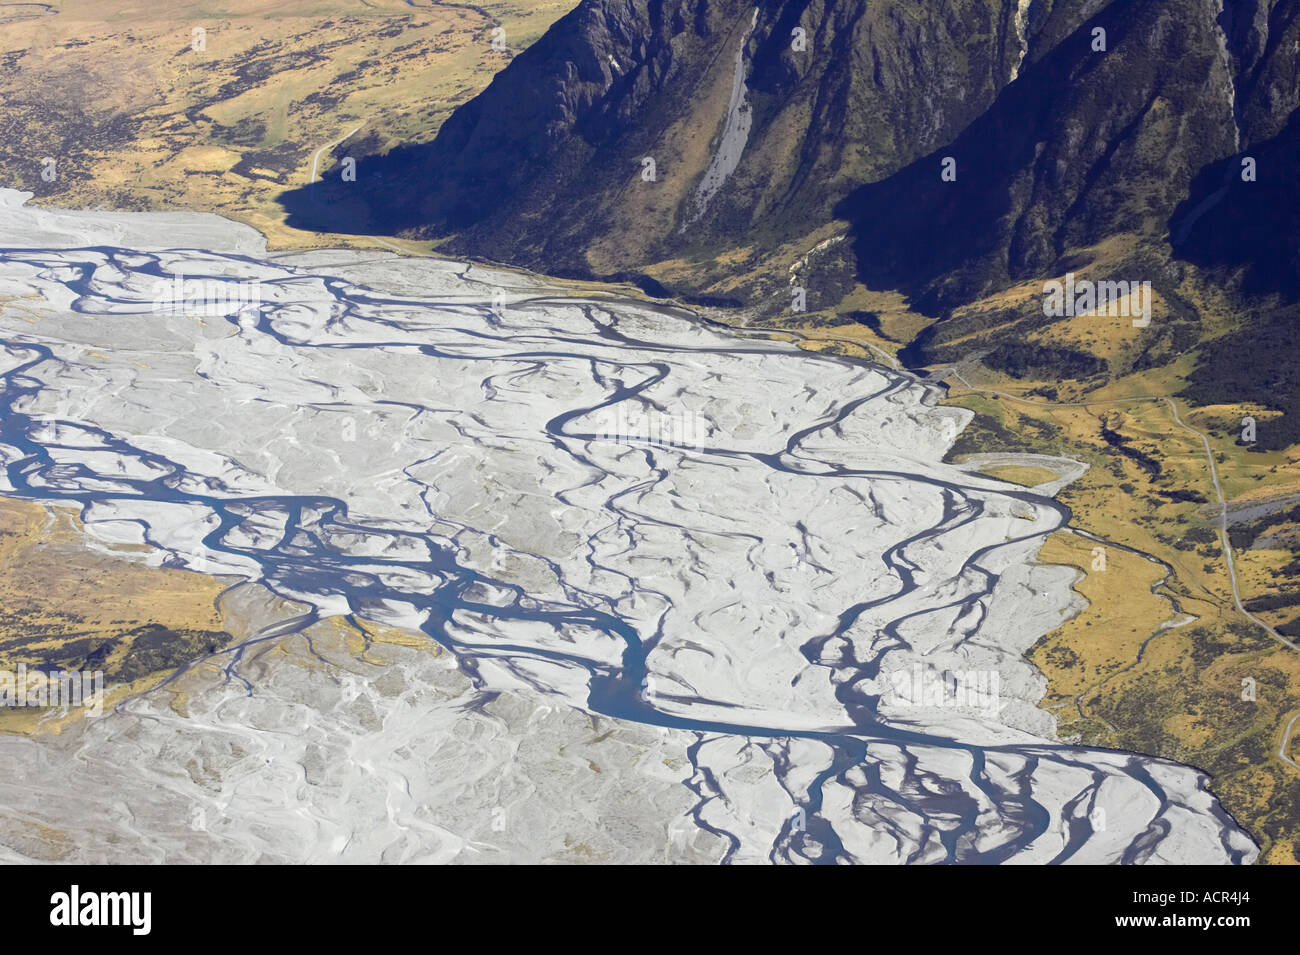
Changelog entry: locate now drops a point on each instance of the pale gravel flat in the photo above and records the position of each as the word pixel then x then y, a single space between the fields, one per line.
pixel 502 465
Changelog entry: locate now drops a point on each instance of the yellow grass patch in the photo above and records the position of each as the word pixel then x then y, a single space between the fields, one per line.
pixel 1019 474
pixel 1104 639
pixel 227 128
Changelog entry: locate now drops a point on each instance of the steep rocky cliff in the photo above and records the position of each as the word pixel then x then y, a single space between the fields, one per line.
pixel 759 120
pixel 1104 134
pixel 712 143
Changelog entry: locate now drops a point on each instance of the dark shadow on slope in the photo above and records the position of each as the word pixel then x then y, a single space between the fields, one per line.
pixel 377 203
pixel 1247 227
pixel 1249 232
pixel 1049 167
pixel 531 133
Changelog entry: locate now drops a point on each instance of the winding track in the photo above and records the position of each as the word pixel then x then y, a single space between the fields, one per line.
pixel 315 157
pixel 1223 514
pixel 1214 477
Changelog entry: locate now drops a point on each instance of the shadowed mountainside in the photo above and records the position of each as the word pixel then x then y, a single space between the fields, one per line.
pixel 544 168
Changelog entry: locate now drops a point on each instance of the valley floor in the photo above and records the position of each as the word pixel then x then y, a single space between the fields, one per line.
pixel 1187 646
pixel 670 593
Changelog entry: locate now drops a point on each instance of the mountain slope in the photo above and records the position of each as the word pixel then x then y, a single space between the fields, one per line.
pixel 545 167
pixel 767 124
